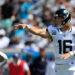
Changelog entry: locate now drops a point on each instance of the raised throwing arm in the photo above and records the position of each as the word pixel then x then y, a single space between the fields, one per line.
pixel 35 30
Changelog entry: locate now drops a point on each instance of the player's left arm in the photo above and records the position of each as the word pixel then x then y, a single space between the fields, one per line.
pixel 66 55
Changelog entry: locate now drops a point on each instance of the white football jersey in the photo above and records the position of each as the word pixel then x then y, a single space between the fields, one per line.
pixel 63 42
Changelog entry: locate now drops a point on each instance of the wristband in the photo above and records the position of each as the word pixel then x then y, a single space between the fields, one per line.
pixel 28 26
pixel 72 53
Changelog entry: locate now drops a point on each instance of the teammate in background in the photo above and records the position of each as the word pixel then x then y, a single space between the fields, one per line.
pixel 62 36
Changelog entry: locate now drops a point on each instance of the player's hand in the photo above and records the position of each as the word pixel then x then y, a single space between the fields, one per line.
pixel 65 56
pixel 20 26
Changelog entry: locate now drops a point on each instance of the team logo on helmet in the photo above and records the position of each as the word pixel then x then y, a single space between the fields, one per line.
pixel 65 11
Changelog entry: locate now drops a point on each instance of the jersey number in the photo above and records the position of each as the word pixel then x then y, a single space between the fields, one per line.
pixel 63 44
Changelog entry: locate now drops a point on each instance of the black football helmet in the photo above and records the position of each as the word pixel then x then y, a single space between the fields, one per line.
pixel 65 14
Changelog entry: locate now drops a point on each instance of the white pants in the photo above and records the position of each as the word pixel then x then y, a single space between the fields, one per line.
pixel 50 69
pixel 65 69
pixel 72 68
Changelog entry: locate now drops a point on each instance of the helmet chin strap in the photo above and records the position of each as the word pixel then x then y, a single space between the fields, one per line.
pixel 65 27
pixel 62 25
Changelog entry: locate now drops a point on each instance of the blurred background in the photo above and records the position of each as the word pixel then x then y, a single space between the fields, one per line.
pixel 38 13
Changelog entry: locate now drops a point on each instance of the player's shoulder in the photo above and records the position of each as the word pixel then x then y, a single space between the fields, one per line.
pixel 51 26
pixel 52 30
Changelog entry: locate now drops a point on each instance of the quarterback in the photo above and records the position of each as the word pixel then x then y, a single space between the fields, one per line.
pixel 63 40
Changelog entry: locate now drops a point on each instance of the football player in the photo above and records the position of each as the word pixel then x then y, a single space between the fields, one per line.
pixel 62 36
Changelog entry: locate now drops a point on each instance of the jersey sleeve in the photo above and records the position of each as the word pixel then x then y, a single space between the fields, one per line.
pixel 49 30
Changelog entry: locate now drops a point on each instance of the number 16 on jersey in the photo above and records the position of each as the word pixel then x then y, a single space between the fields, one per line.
pixel 63 46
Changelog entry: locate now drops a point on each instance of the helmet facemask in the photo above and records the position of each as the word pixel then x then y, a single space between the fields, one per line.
pixel 62 15
pixel 59 22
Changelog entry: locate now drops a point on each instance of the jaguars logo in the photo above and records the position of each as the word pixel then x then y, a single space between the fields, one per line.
pixel 65 11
